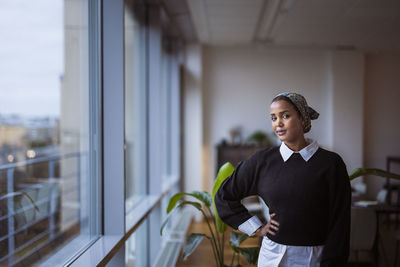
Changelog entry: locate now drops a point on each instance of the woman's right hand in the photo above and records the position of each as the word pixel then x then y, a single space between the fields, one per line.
pixel 271 227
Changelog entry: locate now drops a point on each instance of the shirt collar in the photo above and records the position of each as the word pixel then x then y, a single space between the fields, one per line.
pixel 306 153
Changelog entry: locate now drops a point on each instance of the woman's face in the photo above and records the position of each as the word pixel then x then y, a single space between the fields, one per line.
pixel 286 122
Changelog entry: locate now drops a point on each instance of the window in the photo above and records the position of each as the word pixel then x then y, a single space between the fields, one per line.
pixel 135 106
pixel 48 152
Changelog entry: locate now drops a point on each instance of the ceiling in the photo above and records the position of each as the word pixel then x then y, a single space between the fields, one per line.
pixel 368 25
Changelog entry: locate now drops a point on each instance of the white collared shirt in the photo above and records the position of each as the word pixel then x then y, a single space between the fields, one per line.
pixel 273 254
pixel 306 153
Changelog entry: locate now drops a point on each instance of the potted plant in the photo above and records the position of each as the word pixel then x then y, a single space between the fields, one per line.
pixel 216 226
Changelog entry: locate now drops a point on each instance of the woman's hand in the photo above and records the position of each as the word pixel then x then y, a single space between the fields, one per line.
pixel 271 227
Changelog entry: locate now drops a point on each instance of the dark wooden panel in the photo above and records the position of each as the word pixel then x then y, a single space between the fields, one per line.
pixel 234 154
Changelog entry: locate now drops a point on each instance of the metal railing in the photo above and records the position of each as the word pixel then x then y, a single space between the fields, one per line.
pixel 48 202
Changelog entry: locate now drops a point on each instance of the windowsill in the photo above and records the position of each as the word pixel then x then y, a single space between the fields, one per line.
pixel 97 251
pixel 68 252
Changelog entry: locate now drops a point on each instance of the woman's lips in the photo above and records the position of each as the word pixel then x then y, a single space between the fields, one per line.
pixel 280 133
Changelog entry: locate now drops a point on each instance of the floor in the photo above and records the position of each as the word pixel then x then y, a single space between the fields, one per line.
pixel 203 255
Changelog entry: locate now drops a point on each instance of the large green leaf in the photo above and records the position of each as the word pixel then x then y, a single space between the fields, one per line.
pixel 250 254
pixel 372 171
pixel 165 223
pixel 203 196
pixel 197 205
pixel 224 172
pixel 237 238
pixel 235 248
pixel 191 243
pixel 173 201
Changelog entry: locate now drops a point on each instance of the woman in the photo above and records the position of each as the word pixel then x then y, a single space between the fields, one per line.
pixel 306 188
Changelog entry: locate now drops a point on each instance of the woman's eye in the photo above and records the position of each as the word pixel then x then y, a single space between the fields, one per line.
pixel 273 118
pixel 285 116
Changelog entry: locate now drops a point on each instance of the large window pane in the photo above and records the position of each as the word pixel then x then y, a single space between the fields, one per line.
pixel 46 183
pixel 135 106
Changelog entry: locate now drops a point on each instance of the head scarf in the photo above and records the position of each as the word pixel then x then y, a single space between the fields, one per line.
pixel 300 103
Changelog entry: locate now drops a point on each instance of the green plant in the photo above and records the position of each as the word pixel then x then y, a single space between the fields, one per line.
pixel 372 171
pixel 215 225
pixel 259 137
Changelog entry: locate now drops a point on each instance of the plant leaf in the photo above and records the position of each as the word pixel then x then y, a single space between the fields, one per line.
pixel 235 248
pixel 224 172
pixel 173 200
pixel 191 244
pixel 197 205
pixel 372 171
pixel 237 238
pixel 203 196
pixel 250 254
pixel 165 223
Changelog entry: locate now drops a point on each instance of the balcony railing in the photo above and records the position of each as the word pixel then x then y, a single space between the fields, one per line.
pixel 34 205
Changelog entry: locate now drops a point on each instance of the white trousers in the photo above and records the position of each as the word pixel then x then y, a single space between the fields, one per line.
pixel 273 254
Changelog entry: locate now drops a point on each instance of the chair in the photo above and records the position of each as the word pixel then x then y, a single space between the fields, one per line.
pixel 362 230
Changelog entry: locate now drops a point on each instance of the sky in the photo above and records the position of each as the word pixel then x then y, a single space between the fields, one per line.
pixel 31 57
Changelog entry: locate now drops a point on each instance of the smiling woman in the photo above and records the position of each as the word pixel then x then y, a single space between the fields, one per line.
pixel 306 188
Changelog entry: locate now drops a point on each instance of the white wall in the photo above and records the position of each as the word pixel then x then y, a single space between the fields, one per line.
pixel 347 107
pixel 382 111
pixel 240 82
pixel 192 119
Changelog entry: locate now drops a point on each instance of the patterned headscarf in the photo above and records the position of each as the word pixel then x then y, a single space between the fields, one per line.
pixel 300 103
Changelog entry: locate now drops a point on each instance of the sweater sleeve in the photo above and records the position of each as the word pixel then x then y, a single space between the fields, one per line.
pixel 337 245
pixel 240 184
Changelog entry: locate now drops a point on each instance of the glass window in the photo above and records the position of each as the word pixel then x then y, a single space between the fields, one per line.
pixel 136 247
pixel 46 185
pixel 135 106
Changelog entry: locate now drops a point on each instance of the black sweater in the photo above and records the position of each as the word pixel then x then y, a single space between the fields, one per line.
pixel 311 199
